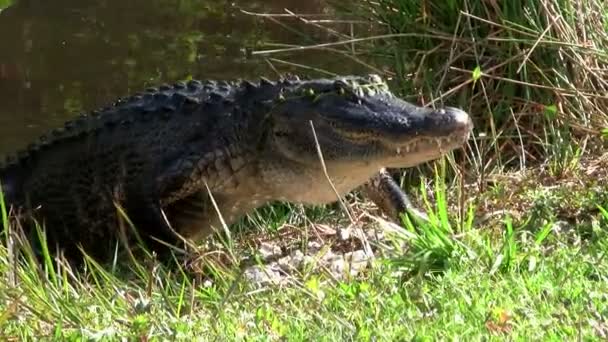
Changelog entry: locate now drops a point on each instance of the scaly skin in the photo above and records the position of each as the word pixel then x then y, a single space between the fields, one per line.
pixel 163 151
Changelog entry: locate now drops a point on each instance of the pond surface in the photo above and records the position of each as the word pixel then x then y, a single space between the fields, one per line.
pixel 63 57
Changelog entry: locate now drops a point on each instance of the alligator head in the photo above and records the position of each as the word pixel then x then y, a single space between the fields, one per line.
pixel 360 127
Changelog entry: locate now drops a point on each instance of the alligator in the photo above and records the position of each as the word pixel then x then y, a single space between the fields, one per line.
pixel 186 159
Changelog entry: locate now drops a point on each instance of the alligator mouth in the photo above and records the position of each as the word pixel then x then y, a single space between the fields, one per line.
pixel 423 149
pixel 431 144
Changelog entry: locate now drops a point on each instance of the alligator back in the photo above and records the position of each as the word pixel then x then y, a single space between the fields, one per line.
pixel 75 176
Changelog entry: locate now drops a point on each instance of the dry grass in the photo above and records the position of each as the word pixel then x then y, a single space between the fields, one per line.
pixel 531 73
pixel 517 244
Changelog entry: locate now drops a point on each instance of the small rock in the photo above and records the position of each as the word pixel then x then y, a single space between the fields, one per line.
pixel 286 263
pixel 297 255
pixel 344 233
pixel 375 234
pixel 269 250
pixel 567 231
pixel 357 261
pixel 354 262
pixel 336 266
pixel 292 262
pixel 262 274
pixel 328 256
pixel 325 229
pixel 314 247
pixel 561 227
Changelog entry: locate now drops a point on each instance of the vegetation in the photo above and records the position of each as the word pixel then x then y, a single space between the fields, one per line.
pixel 5 3
pixel 532 72
pixel 517 240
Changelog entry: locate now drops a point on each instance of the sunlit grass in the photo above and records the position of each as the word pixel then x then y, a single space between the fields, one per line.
pixel 445 278
pixel 5 3
pixel 504 255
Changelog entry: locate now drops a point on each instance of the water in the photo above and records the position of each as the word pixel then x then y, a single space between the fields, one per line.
pixel 63 57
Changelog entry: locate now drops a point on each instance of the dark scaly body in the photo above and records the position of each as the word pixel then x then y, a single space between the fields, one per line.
pixel 160 151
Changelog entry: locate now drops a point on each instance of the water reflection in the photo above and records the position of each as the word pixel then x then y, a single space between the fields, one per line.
pixel 64 56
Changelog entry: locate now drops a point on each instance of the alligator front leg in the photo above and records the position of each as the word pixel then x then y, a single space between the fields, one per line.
pixel 147 216
pixel 389 197
pixel 196 218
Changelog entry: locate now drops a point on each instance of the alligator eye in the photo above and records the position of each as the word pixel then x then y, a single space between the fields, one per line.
pixel 333 124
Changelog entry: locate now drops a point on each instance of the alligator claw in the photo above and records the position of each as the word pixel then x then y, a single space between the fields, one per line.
pixel 391 199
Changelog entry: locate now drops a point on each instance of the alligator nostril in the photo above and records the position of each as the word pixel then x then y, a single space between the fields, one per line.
pixel 460 116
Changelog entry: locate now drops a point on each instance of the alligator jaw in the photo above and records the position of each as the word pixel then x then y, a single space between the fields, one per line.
pixel 422 150
pixel 425 147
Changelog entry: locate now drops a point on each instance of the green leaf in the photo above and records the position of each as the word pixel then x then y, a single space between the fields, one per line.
pixel 313 284
pixel 476 73
pixel 551 111
pixel 5 4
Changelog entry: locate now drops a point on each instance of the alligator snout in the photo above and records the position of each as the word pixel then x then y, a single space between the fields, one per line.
pixel 446 121
pixel 460 117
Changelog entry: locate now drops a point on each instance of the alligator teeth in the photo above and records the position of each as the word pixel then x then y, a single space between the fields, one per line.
pixel 398 150
pixel 438 142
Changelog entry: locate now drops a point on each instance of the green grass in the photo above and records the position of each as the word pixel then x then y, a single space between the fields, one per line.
pixel 448 279
pixel 5 3
pixel 516 244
